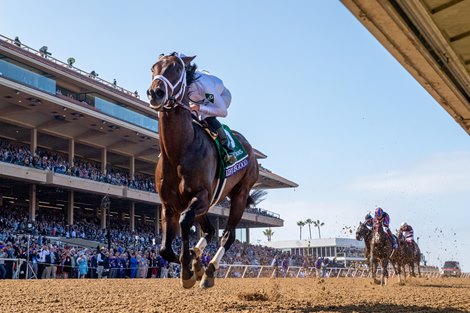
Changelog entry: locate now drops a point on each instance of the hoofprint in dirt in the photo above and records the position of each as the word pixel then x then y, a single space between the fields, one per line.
pixel 235 295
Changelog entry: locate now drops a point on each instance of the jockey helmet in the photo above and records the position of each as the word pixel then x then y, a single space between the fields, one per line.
pixel 368 217
pixel 379 212
pixel 403 225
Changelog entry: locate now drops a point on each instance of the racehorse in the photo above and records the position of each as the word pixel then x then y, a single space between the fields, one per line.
pixel 380 250
pixel 363 232
pixel 186 173
pixel 409 255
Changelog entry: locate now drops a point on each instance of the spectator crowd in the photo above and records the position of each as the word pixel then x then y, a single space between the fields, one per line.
pixel 132 254
pixel 20 154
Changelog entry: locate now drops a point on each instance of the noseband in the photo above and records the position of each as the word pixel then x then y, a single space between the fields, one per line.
pixel 172 100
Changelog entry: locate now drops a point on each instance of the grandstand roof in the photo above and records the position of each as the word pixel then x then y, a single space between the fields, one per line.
pixel 431 39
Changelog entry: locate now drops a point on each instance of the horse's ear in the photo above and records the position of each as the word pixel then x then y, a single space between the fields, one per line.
pixel 161 55
pixel 188 60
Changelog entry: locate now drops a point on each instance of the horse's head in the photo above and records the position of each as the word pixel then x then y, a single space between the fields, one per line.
pixel 360 231
pixel 168 85
pixel 379 234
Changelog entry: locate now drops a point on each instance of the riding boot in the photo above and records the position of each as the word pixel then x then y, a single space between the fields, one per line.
pixel 229 158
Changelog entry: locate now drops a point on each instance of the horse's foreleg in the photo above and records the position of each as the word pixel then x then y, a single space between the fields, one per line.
pixel 419 270
pixel 237 207
pixel 188 277
pixel 209 232
pixel 169 228
pixel 384 272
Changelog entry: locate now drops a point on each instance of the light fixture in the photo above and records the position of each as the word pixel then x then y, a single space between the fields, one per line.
pixel 18 92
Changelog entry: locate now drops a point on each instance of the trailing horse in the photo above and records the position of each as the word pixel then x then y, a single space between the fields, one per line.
pixel 410 255
pixel 380 250
pixel 187 173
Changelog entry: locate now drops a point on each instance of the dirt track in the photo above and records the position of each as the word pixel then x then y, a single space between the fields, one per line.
pixel 229 295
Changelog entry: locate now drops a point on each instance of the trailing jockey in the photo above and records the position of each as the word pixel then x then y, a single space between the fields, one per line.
pixel 383 219
pixel 369 221
pixel 210 99
pixel 406 232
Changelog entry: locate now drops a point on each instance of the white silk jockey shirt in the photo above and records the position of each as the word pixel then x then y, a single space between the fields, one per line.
pixel 209 92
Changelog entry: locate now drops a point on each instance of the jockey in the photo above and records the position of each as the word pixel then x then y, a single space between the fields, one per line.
pixel 382 218
pixel 406 231
pixel 369 221
pixel 210 98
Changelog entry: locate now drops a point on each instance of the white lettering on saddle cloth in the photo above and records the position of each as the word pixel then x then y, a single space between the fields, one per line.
pixel 239 165
pixel 231 142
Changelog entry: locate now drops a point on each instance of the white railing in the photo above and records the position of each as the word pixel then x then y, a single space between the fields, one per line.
pixel 259 271
pixel 267 271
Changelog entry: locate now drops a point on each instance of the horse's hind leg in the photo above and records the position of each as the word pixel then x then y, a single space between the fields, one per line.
pixel 209 232
pixel 169 228
pixel 237 207
pixel 198 203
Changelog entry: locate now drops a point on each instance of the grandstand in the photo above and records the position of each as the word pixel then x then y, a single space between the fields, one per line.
pixel 68 138
pixel 342 250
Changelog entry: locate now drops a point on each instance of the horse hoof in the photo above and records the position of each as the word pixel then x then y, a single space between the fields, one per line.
pixel 208 280
pixel 198 269
pixel 188 283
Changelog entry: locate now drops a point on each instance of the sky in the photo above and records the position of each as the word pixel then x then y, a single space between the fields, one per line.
pixel 311 88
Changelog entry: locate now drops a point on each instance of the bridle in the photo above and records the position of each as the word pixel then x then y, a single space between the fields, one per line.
pixel 172 100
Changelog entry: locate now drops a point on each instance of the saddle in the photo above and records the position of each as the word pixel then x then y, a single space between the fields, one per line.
pixel 206 127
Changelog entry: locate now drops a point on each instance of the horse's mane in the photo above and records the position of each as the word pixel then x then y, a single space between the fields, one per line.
pixel 191 73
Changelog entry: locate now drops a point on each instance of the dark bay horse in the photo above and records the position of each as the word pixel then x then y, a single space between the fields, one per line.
pixel 380 250
pixel 186 173
pixel 410 255
pixel 364 233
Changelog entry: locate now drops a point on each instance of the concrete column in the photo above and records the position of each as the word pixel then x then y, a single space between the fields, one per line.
pixel 217 227
pixel 104 160
pixel 70 205
pixel 247 234
pixel 32 202
pixel 71 151
pixel 144 219
pixel 103 218
pixel 34 140
pixel 132 167
pixel 121 216
pixel 157 220
pixel 132 216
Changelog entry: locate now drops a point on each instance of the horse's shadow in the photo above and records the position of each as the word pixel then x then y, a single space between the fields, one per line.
pixel 363 308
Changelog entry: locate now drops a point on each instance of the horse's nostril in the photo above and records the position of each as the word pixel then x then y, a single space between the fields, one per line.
pixel 159 94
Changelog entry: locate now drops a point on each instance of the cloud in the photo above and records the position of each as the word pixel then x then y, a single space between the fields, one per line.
pixel 442 174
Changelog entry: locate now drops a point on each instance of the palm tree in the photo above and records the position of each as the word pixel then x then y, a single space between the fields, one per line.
pixel 309 222
pixel 268 233
pixel 301 224
pixel 318 224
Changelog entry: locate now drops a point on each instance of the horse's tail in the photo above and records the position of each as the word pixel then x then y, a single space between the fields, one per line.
pixel 250 202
